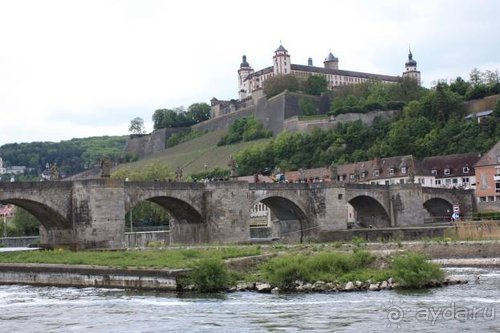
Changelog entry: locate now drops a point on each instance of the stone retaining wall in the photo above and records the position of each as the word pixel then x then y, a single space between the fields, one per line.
pixel 89 276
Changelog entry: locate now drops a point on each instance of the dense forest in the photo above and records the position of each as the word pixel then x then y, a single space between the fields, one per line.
pixel 70 156
pixel 432 122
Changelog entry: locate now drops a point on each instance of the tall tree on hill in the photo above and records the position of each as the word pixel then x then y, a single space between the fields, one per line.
pixel 136 126
pixel 276 85
pixel 198 112
pixel 315 85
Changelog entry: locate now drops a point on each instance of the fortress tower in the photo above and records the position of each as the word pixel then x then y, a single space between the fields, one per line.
pixel 281 61
pixel 331 62
pixel 411 68
pixel 243 85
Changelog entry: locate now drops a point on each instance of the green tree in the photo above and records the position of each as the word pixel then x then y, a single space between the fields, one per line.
pixel 136 126
pixel 198 112
pixel 276 85
pixel 315 85
pixel 23 224
pixel 496 110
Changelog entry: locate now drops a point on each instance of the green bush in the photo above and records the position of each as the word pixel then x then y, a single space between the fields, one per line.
pixel 284 271
pixel 244 129
pixel 412 270
pixel 210 275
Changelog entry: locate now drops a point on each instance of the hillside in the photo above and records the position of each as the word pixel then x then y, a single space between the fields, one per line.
pixel 70 156
pixel 193 155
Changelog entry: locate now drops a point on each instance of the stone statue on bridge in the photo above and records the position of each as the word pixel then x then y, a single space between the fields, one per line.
pixel 178 174
pixel 54 172
pixel 232 166
pixel 106 165
pixel 333 172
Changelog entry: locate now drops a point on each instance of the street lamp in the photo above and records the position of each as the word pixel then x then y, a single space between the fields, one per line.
pixel 4 225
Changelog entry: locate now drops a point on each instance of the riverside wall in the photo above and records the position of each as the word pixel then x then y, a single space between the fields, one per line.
pixel 89 276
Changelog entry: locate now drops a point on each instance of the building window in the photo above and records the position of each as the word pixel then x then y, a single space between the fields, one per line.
pixel 465 180
pixel 376 173
pixel 482 199
pixel 497 187
pixel 466 169
pixel 455 181
pixel 434 172
pixel 403 170
pixel 491 198
pixel 386 182
pixel 402 181
pixel 447 172
pixel 421 181
pixel 448 181
pixel 498 158
pixel 391 171
pixel 438 181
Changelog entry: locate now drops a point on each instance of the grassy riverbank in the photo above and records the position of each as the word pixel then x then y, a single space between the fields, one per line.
pixel 285 268
pixel 175 258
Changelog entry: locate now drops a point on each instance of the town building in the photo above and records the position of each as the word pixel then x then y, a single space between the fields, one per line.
pixel 250 82
pixel 488 180
pixel 451 171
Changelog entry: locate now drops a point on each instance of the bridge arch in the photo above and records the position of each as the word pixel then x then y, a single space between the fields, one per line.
pixel 179 209
pixel 290 221
pixel 370 212
pixel 186 224
pixel 48 217
pixel 439 207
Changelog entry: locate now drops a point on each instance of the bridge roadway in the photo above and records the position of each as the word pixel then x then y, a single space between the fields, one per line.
pixel 91 213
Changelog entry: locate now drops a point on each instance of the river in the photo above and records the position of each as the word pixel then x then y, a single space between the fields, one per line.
pixel 474 307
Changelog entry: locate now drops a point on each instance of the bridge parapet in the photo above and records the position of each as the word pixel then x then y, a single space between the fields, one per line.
pixel 35 185
pixel 278 186
pixel 162 185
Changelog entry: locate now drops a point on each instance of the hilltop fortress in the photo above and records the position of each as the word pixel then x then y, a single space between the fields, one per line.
pixel 281 112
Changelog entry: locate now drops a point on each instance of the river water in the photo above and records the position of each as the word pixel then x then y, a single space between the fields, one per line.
pixel 474 307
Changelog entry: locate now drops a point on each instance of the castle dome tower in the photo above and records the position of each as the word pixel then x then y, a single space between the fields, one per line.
pixel 411 68
pixel 281 61
pixel 243 72
pixel 331 62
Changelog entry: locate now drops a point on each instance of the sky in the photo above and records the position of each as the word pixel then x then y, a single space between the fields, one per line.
pixel 81 68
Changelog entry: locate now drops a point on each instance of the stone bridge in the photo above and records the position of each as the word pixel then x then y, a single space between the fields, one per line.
pixel 91 213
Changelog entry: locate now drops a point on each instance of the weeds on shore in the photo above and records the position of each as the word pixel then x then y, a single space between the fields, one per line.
pixel 486 230
pixel 328 267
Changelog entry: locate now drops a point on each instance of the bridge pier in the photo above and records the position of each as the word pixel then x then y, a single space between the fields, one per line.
pixel 98 218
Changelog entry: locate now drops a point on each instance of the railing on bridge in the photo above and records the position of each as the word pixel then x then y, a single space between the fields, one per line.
pixel 23 241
